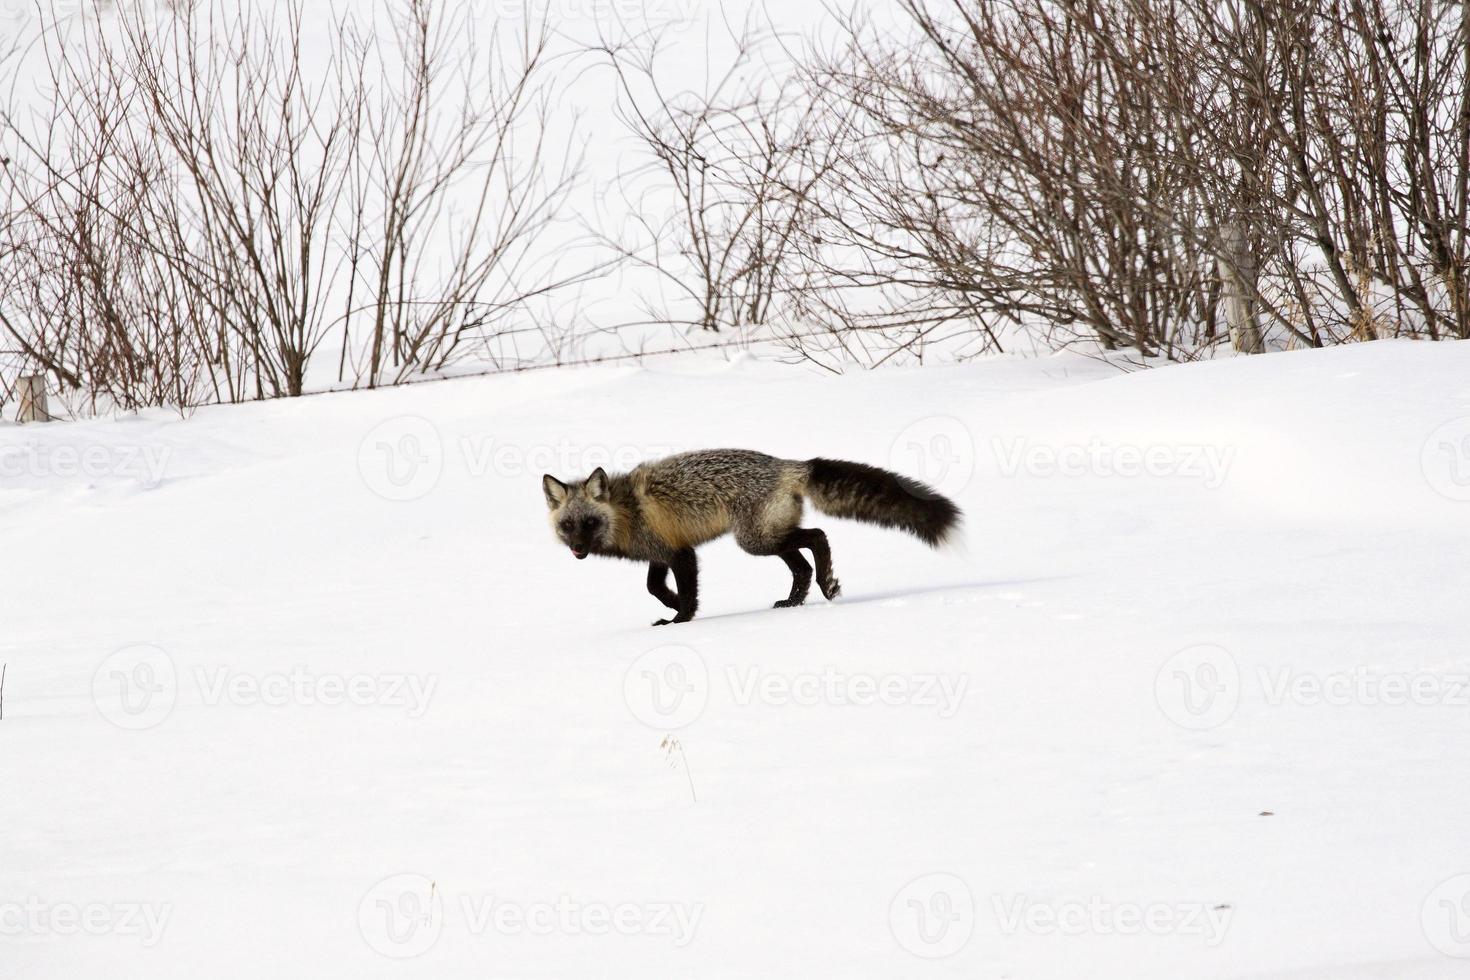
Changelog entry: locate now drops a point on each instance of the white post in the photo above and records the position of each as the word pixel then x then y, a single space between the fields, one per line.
pixel 32 391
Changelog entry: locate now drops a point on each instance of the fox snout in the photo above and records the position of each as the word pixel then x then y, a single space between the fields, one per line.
pixel 580 533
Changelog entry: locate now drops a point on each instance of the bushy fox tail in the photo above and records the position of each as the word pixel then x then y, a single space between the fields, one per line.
pixel 877 496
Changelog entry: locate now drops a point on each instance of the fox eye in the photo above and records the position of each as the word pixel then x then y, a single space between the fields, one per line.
pixel 566 526
pixel 589 523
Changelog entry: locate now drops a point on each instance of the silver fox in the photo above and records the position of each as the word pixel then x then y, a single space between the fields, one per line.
pixel 660 511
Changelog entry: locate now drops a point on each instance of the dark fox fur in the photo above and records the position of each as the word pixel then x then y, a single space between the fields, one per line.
pixel 661 511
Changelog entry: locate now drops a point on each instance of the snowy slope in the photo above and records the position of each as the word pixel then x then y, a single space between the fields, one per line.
pixel 275 670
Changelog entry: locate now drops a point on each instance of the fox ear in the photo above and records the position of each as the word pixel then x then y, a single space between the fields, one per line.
pixel 555 490
pixel 597 485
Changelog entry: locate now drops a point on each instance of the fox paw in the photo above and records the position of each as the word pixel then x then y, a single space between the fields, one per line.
pixel 788 603
pixel 831 589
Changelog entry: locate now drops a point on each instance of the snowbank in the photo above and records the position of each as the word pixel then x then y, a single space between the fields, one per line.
pixel 305 687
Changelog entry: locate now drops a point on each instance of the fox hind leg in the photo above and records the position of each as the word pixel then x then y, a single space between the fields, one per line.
pixel 815 540
pixel 801 579
pixel 761 538
pixel 757 537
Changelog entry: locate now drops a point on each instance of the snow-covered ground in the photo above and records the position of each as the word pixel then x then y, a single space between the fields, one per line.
pixel 306 688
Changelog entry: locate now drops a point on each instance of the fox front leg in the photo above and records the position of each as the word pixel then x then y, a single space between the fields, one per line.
pixel 686 580
pixel 658 585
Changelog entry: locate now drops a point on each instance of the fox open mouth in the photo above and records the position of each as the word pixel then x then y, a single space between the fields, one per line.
pixel 579 553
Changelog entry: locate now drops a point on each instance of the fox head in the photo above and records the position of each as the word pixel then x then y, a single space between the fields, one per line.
pixel 582 514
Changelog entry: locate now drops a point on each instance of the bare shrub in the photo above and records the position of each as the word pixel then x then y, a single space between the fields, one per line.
pixel 1111 170
pixel 197 206
pixel 453 185
pixel 723 185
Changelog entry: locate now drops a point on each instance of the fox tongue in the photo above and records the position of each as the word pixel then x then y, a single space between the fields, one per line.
pixel 580 554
